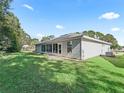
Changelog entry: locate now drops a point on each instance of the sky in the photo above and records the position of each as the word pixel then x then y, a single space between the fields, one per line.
pixel 57 17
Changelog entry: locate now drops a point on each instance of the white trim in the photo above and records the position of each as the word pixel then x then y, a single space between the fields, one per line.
pixel 97 40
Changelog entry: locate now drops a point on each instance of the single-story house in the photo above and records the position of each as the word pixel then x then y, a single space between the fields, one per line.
pixel 75 46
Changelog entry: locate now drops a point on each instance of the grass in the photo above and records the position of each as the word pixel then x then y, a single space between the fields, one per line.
pixel 120 53
pixel 29 73
pixel 117 61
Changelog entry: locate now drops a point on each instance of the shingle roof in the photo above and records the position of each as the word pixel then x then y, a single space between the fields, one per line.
pixel 73 35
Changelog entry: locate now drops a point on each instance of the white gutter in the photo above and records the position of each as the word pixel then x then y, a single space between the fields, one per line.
pixel 97 40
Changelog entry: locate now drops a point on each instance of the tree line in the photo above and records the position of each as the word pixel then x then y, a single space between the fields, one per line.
pixel 12 36
pixel 105 37
pixel 97 35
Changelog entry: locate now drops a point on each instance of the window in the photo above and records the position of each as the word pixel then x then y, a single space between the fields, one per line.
pixel 43 48
pixel 49 48
pixel 69 46
pixel 59 48
pixel 55 48
pixel 46 48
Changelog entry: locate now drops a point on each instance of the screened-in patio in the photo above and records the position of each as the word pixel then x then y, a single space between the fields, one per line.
pixel 51 48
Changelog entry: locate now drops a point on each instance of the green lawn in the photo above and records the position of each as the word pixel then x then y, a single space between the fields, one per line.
pixel 28 73
pixel 117 61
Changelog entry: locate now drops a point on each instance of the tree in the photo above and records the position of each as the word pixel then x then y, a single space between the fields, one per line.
pixel 120 47
pixel 11 32
pixel 99 35
pixel 34 41
pixel 89 33
pixel 25 38
pixel 12 36
pixel 45 38
pixel 85 33
pixel 4 40
pixel 4 6
pixel 110 38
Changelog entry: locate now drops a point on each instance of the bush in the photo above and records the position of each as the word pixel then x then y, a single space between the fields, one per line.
pixel 2 53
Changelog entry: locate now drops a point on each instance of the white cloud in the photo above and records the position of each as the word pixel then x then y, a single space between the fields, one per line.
pixel 59 27
pixel 109 16
pixel 115 29
pixel 28 7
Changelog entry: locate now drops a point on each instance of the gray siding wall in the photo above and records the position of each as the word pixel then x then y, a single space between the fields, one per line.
pixel 76 49
pixel 105 48
pixel 92 49
pixel 64 48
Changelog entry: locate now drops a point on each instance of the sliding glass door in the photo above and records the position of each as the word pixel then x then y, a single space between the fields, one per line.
pixel 55 48
pixel 60 48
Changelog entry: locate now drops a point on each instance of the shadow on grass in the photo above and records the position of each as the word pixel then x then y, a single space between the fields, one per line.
pixel 26 73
